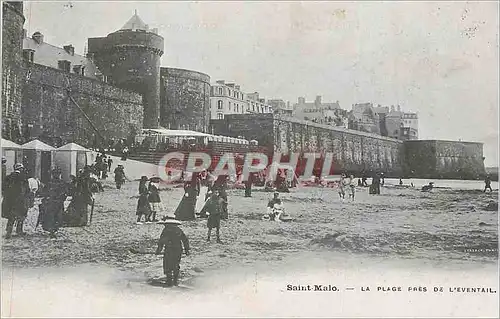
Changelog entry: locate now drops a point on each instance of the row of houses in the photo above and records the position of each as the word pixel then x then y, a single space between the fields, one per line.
pixel 228 98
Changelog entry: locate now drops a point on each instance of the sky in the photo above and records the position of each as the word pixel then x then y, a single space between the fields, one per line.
pixel 439 59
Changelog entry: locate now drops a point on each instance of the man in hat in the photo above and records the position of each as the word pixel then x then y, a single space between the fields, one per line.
pixel 15 203
pixel 173 240
pixel 119 176
pixel 214 210
pixel 52 207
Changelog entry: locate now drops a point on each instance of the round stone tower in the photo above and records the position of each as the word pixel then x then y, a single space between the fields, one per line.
pixel 130 58
pixel 12 69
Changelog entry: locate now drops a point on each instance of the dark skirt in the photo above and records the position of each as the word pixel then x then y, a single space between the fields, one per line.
pixel 143 207
pixel 51 215
pixel 185 210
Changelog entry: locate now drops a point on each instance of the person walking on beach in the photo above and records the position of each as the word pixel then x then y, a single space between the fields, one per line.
pixel 143 206
pixel 15 203
pixel 214 209
pixel 342 186
pixel 352 187
pixel 173 241
pixel 154 199
pixel 248 185
pixel 487 184
pixel 110 162
pixel 119 176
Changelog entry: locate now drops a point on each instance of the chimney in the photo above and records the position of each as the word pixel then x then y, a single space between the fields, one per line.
pixel 302 100
pixel 399 108
pixel 392 108
pixel 154 30
pixel 38 37
pixel 69 49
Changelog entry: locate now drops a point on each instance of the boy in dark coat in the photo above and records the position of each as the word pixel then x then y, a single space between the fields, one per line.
pixel 173 240
pixel 214 209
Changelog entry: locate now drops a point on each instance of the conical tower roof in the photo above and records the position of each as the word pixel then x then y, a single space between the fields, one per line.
pixel 135 23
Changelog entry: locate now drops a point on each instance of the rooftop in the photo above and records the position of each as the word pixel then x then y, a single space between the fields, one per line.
pixel 135 23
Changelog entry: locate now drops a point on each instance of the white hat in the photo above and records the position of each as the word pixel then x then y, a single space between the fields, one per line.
pixel 169 219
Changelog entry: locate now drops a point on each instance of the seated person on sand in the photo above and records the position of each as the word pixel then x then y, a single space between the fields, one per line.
pixel 275 210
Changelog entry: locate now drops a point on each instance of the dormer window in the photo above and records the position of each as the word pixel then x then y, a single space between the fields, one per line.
pixel 79 69
pixel 64 65
pixel 29 55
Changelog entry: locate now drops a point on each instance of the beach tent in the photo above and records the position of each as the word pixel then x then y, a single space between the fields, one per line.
pixel 70 158
pixel 37 159
pixel 13 153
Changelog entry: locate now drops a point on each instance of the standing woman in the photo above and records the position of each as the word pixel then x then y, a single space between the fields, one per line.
pixel 53 203
pixel 185 210
pixel 143 207
pixel 154 199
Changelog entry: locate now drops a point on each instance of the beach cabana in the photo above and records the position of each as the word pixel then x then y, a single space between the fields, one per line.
pixel 13 153
pixel 37 158
pixel 70 158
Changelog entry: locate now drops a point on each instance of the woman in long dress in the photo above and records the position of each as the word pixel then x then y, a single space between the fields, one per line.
pixel 185 210
pixel 143 206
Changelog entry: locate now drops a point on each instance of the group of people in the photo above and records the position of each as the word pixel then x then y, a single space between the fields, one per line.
pixel 18 198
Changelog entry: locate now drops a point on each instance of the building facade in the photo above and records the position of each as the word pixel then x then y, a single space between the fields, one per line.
pixel 320 112
pixel 228 98
pixel 281 107
pixel 257 105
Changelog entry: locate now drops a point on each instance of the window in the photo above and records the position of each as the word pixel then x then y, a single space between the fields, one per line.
pixel 29 55
pixel 229 106
pixel 64 65
pixel 219 104
pixel 220 91
pixel 220 116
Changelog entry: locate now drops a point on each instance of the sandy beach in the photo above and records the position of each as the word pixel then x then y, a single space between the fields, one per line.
pixel 402 237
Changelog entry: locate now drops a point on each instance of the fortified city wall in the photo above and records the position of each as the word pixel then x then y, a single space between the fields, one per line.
pixel 352 150
pixel 356 151
pixel 47 110
pixel 444 159
pixel 12 73
pixel 185 99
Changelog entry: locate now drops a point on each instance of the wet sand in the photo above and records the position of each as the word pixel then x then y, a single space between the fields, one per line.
pixel 402 237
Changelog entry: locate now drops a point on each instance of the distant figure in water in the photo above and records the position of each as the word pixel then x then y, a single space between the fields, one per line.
pixel 400 182
pixel 427 188
pixel 487 184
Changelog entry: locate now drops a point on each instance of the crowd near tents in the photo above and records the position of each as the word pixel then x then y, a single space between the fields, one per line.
pixel 40 158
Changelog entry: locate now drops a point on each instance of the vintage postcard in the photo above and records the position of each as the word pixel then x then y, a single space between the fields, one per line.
pixel 250 159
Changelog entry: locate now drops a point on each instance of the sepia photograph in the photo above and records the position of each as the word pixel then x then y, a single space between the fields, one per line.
pixel 251 159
